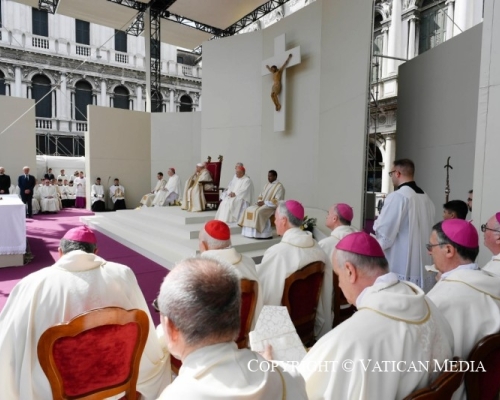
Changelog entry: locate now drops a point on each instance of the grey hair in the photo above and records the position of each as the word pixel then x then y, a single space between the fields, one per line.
pixel 202 297
pixel 371 266
pixel 292 219
pixel 71 245
pixel 213 244
pixel 240 164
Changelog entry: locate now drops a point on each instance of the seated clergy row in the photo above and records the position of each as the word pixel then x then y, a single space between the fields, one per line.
pixel 165 192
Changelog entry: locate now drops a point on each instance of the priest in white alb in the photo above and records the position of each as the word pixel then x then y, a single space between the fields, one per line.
pixel 79 281
pixel 296 250
pixel 79 184
pixel 215 242
pixel 492 241
pixel 97 197
pixel 193 198
pixel 236 198
pixel 147 199
pixel 49 201
pixel 256 219
pixel 170 193
pixel 376 353
pixel 199 304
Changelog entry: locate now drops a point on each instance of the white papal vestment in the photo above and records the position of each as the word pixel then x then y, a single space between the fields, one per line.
pixel 493 266
pixel 403 228
pixel 296 250
pixel 147 199
pixel 194 199
pixel 49 200
pixel 76 283
pixel 221 371
pixel 395 322
pixel 170 193
pixel 245 268
pixel 231 208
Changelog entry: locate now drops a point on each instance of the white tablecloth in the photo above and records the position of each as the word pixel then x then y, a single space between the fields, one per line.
pixel 12 225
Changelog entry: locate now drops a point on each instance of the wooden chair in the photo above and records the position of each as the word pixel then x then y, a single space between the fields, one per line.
pixel 484 385
pixel 249 292
pixel 212 197
pixel 342 310
pixel 442 388
pixel 95 355
pixel 301 297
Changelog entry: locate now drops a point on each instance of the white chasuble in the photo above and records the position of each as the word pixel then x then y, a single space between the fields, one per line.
pixel 375 354
pixel 493 266
pixel 194 199
pixel 49 200
pixel 170 193
pixel 147 199
pixel 231 208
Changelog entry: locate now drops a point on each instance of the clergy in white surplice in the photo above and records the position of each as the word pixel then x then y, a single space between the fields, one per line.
pixel 147 199
pixel 79 184
pixel 199 303
pixel 296 250
pixel 193 198
pixel 97 196
pixel 49 201
pixel 171 192
pixel 215 242
pixel 117 194
pixel 404 225
pixel 492 241
pixel 256 219
pixel 236 198
pixel 468 297
pixel 79 281
pixel 376 353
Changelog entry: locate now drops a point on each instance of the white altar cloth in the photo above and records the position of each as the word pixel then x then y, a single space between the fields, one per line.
pixel 13 225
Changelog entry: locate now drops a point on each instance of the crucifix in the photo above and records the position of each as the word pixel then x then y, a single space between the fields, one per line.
pixel 277 65
pixel 447 189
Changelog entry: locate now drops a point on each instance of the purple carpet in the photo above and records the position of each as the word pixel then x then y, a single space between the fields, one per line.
pixel 44 233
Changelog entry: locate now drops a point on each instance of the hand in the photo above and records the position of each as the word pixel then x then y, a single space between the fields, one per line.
pixel 27 191
pixel 232 194
pixel 268 352
pixel 260 203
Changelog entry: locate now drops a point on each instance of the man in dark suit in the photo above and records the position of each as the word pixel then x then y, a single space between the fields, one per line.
pixel 26 183
pixel 49 175
pixel 4 182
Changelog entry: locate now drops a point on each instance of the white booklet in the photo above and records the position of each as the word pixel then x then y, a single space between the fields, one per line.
pixel 275 327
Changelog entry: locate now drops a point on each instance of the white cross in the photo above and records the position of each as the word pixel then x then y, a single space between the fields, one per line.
pixel 279 58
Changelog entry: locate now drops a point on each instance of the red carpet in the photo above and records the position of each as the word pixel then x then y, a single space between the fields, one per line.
pixel 44 233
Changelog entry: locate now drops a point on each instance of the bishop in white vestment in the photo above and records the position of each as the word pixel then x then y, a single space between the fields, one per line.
pixel 200 332
pixel 194 199
pixel 236 198
pixel 79 281
pixel 492 241
pixel 339 221
pixel 170 193
pixel 147 199
pixel 49 201
pixel 256 220
pixel 376 354
pixel 404 225
pixel 296 250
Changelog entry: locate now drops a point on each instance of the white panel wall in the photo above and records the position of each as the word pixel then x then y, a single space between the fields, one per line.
pixel 319 158
pixel 437 113
pixel 487 161
pixel 17 144
pixel 118 145
pixel 175 142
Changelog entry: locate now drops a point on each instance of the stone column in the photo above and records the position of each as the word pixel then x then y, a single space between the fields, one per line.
pixel 394 45
pixel 138 95
pixel 172 101
pixel 389 157
pixel 450 30
pixel 61 111
pixel 103 93
pixel 18 82
pixel 411 37
pixel 383 61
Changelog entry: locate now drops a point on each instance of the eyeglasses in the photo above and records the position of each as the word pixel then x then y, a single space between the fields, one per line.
pixel 392 172
pixel 429 246
pixel 484 228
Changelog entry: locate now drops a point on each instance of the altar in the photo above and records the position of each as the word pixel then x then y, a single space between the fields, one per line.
pixel 12 231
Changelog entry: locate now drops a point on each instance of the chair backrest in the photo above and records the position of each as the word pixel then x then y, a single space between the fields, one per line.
pixel 301 297
pixel 249 293
pixel 442 388
pixel 215 169
pixel 96 354
pixel 484 385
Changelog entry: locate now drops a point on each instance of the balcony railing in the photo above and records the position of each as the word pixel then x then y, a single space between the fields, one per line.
pixel 40 42
pixel 81 126
pixel 187 70
pixel 82 50
pixel 121 57
pixel 43 123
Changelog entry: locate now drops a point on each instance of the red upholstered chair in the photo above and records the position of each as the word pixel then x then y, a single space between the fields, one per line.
pixel 342 310
pixel 249 292
pixel 484 385
pixel 442 388
pixel 212 197
pixel 301 297
pixel 95 355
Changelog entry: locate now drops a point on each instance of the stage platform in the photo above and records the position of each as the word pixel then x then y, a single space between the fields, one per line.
pixel 167 235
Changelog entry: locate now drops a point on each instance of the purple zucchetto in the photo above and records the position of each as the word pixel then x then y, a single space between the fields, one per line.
pixel 81 234
pixel 361 243
pixel 295 208
pixel 461 232
pixel 345 211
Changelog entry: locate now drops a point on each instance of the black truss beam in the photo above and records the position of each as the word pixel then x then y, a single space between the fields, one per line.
pixel 48 5
pixel 136 5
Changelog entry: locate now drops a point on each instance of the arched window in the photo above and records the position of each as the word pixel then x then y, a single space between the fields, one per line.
pixel 433 24
pixel 2 84
pixel 186 104
pixel 83 97
pixel 122 98
pixel 378 47
pixel 156 102
pixel 41 87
